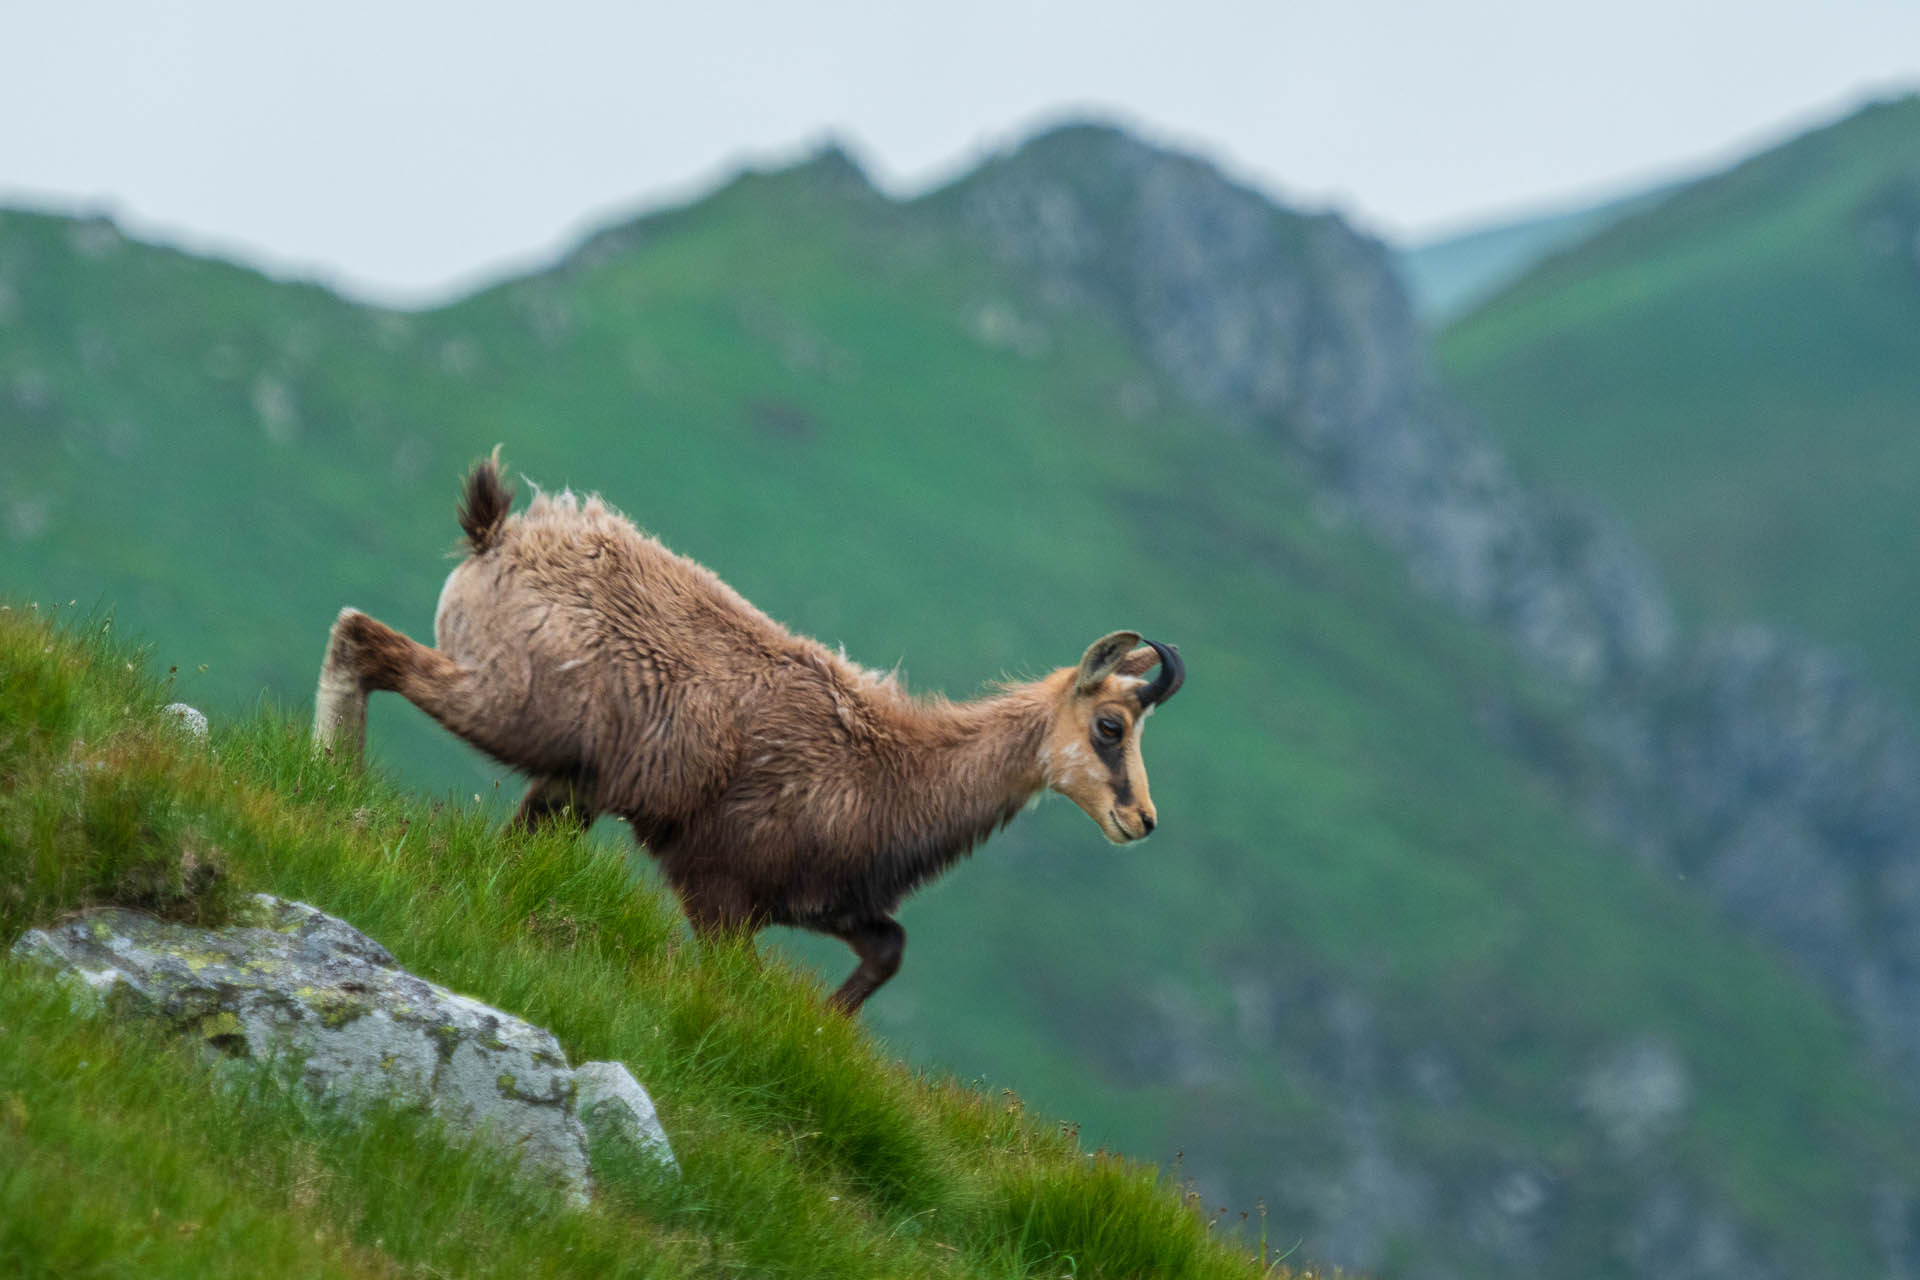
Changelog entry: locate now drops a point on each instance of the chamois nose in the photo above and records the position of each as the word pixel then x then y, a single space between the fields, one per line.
pixel 1147 822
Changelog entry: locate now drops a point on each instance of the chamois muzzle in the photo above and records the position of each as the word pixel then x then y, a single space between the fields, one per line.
pixel 1173 673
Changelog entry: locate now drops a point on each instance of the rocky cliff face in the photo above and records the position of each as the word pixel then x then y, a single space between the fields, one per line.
pixel 1774 776
pixel 1295 326
pixel 1754 763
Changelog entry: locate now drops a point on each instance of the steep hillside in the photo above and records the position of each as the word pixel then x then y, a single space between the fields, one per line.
pixel 1737 371
pixel 1371 967
pixel 805 1149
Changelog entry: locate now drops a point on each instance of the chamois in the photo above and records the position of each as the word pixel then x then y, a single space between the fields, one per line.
pixel 775 781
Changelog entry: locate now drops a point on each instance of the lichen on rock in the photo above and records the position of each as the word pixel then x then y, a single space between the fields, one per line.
pixel 289 982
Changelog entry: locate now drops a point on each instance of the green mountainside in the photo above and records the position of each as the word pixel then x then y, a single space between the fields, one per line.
pixel 1737 372
pixel 1373 968
pixel 1447 277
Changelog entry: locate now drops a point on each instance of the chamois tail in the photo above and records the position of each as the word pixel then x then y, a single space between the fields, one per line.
pixel 483 504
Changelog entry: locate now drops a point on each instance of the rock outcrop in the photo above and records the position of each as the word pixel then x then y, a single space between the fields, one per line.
pixel 613 1105
pixel 1779 780
pixel 1295 326
pixel 293 982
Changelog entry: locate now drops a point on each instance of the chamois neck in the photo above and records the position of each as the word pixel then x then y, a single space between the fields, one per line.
pixel 973 765
pixel 998 740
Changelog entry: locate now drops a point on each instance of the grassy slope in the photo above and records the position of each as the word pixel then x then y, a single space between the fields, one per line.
pixel 785 383
pixel 806 1149
pixel 1738 372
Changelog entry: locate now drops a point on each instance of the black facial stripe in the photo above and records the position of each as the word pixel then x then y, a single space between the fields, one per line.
pixel 1114 756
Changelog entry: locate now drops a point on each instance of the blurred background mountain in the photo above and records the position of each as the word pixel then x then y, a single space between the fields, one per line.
pixel 1513 912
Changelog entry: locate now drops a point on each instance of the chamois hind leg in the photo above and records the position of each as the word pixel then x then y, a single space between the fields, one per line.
pixel 553 800
pixel 718 909
pixel 879 944
pixel 340 703
pixel 364 655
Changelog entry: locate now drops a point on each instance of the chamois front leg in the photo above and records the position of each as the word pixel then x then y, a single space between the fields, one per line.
pixel 879 944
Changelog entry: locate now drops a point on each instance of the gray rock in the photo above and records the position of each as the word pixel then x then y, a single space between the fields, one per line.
pixel 612 1104
pixel 294 981
pixel 1511 1217
pixel 191 719
pixel 1638 1094
pixel 1787 787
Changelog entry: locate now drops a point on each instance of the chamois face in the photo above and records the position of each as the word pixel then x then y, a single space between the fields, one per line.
pixel 1092 755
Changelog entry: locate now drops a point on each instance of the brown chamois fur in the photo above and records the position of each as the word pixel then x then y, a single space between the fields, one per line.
pixel 775 781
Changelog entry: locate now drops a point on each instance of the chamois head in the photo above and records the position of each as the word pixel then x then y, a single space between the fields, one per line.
pixel 1092 753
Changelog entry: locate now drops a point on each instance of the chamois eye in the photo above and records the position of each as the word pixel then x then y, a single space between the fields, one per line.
pixel 1109 728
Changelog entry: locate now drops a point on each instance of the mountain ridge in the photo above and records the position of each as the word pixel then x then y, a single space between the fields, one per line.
pixel 1452 274
pixel 840 393
pixel 1719 332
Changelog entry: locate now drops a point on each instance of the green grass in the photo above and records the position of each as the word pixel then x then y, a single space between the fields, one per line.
pixel 1737 371
pixel 807 1149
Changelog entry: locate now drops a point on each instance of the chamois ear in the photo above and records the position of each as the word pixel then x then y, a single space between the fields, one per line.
pixel 1103 658
pixel 1139 662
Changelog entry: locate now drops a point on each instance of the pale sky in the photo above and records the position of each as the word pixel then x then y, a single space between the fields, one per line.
pixel 405 151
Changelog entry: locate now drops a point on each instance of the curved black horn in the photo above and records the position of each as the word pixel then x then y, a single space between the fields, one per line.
pixel 1173 673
